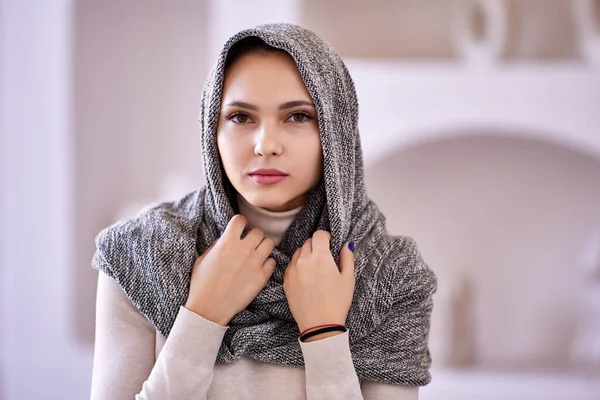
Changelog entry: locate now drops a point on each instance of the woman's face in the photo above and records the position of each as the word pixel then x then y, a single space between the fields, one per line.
pixel 268 135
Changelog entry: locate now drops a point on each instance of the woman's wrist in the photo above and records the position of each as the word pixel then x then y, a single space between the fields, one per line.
pixel 321 336
pixel 321 332
pixel 317 323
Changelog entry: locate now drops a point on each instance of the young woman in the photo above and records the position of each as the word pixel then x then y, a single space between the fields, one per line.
pixel 278 279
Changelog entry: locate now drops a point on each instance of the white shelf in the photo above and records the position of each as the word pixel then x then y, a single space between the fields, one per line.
pixel 403 103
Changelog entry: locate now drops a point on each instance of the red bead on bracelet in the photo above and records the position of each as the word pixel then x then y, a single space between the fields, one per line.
pixel 321 326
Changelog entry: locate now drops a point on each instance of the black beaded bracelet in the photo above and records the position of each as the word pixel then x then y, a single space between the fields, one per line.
pixel 322 330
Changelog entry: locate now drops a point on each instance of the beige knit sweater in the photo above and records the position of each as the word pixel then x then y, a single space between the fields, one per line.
pixel 133 361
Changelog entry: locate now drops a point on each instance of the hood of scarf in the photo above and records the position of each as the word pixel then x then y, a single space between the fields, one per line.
pixel 151 256
pixel 332 91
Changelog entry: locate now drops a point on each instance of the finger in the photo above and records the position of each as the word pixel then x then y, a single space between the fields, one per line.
pixel 236 226
pixel 254 238
pixel 306 248
pixel 268 268
pixel 264 249
pixel 203 255
pixel 321 240
pixel 212 246
pixel 347 260
pixel 296 256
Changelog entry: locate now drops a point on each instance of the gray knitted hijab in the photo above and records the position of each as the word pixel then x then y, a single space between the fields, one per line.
pixel 151 256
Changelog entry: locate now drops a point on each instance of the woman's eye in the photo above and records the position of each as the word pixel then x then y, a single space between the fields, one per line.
pixel 238 118
pixel 299 117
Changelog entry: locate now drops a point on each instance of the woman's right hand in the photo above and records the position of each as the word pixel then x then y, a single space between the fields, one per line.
pixel 229 275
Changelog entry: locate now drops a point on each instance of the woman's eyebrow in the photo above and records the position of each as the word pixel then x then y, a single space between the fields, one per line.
pixel 242 104
pixel 295 103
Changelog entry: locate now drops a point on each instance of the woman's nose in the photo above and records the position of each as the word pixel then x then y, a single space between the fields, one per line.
pixel 268 141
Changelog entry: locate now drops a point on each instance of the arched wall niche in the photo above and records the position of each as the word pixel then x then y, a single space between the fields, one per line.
pixel 507 221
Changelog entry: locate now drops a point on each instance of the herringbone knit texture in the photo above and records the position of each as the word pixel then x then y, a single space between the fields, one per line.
pixel 151 256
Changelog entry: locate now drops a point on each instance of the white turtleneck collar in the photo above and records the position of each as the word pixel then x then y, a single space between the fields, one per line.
pixel 273 224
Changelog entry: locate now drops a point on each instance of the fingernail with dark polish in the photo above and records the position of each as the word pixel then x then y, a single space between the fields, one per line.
pixel 218 235
pixel 351 246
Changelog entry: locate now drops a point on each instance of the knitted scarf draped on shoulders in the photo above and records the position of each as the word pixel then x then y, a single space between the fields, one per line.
pixel 151 256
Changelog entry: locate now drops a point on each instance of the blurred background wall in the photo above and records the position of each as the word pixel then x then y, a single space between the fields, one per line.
pixel 480 123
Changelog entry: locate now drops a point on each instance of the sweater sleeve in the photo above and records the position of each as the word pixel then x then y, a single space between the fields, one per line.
pixel 329 369
pixel 124 359
pixel 330 374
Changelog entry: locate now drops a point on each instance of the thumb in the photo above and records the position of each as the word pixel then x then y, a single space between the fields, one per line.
pixel 347 260
pixel 292 263
pixel 295 257
pixel 268 269
pixel 201 257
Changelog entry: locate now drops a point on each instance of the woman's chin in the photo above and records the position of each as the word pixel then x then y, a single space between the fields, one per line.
pixel 272 206
pixel 270 203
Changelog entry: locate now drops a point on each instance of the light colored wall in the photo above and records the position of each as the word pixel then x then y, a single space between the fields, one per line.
pixel 40 358
pixel 418 29
pixel 139 69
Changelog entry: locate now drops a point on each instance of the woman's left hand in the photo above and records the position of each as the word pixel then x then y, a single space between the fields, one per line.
pixel 317 292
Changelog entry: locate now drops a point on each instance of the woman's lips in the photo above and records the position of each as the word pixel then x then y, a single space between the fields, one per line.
pixel 267 179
